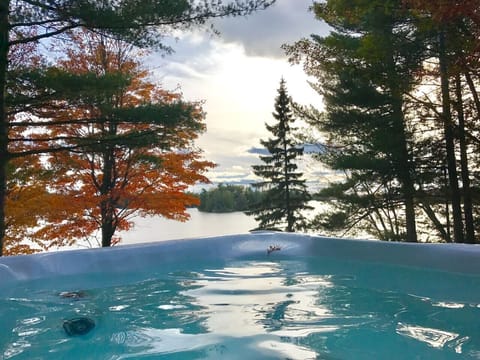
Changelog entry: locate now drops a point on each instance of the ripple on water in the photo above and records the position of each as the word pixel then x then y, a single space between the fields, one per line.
pixel 243 310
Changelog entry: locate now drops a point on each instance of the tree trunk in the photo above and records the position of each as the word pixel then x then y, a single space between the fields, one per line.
pixel 436 222
pixel 402 156
pixel 405 176
pixel 290 219
pixel 449 141
pixel 473 91
pixel 107 204
pixel 408 193
pixel 467 193
pixel 448 223
pixel 4 155
pixel 404 167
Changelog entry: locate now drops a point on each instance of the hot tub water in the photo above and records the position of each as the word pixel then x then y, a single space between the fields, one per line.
pixel 282 305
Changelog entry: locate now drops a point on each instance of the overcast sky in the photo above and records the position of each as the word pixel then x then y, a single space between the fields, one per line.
pixel 237 74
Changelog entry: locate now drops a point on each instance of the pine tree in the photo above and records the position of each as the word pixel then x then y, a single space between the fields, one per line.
pixel 454 38
pixel 364 68
pixel 285 191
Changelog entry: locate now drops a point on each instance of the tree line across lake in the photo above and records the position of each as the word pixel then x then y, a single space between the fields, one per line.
pixel 228 198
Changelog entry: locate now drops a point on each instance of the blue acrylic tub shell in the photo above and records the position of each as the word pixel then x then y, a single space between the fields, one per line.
pixel 457 258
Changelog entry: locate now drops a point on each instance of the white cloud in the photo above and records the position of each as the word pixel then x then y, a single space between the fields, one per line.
pixel 264 32
pixel 237 75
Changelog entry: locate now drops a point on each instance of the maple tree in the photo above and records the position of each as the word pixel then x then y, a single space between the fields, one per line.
pixel 27 202
pixel 144 159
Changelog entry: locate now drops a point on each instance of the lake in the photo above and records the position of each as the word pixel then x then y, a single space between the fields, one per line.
pixel 201 224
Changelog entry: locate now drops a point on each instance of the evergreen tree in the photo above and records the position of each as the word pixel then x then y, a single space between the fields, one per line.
pixel 454 41
pixel 364 68
pixel 285 192
pixel 399 81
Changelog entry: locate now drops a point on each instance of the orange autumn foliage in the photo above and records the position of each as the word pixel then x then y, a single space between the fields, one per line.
pixel 134 165
pixel 26 203
pixel 26 195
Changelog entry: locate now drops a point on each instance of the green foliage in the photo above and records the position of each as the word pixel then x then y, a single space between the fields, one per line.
pixel 398 84
pixel 364 68
pixel 286 195
pixel 331 221
pixel 31 89
pixel 228 198
pixel 141 22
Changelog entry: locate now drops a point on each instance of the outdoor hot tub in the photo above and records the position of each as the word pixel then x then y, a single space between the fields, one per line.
pixel 263 295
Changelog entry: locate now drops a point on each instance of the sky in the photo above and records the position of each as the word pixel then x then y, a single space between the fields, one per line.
pixel 237 75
